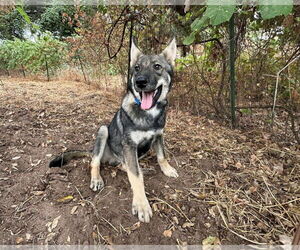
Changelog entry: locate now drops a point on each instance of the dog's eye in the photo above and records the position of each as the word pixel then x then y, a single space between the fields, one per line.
pixel 137 68
pixel 157 66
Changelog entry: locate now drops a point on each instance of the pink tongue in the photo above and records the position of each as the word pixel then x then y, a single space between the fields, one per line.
pixel 147 100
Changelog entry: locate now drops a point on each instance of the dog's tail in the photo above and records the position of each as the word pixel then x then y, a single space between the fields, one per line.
pixel 65 157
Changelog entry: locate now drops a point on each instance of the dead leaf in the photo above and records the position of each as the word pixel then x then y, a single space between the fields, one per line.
pixel 285 240
pixel 175 219
pixel 73 210
pixel 253 158
pixel 113 173
pixel 94 235
pixel 154 207
pixel 211 240
pixel 19 240
pixel 28 236
pixel 66 198
pixel 53 224
pixel 238 165
pixel 262 225
pixel 212 211
pixel 225 164
pixel 168 233
pixel 251 190
pixel 173 196
pixel 187 224
pixel 37 193
pixel 134 227
pixel 49 237
pixel 278 169
pixel 208 225
pixel 198 195
pixel 35 164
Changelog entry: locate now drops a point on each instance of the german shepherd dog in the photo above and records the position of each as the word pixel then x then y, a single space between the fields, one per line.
pixel 136 127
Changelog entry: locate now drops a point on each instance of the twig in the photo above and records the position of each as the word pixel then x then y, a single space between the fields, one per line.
pixel 276 86
pixel 110 224
pixel 241 236
pixel 275 198
pixel 164 202
pixel 96 210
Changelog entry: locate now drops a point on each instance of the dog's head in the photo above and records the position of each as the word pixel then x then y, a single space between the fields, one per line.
pixel 151 75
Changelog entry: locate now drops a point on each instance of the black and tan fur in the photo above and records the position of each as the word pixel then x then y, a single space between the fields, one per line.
pixel 136 127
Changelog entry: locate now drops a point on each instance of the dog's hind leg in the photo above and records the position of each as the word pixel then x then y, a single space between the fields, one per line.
pixel 140 204
pixel 165 167
pixel 97 182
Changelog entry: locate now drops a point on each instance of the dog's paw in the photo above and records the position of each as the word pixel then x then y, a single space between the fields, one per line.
pixel 170 172
pixel 142 208
pixel 97 184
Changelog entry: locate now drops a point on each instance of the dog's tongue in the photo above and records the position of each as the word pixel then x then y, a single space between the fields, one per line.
pixel 147 100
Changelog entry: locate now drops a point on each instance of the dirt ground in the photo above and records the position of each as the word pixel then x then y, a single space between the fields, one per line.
pixel 235 187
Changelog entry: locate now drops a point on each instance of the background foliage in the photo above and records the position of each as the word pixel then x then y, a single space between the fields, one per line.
pixel 94 40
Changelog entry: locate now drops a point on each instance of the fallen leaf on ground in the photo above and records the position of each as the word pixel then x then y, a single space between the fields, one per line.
pixel 28 236
pixel 55 222
pixel 37 193
pixel 49 237
pixel 132 228
pixel 73 210
pixel 175 219
pixel 66 198
pixel 19 240
pixel 285 240
pixel 238 165
pixel 187 224
pixel 211 240
pixel 198 195
pixel 168 233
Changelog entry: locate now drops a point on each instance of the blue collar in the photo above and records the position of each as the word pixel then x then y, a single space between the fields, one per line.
pixel 137 101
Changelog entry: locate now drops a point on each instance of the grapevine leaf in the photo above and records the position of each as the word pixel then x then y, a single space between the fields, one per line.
pixel 199 23
pixel 189 39
pixel 219 11
pixel 270 8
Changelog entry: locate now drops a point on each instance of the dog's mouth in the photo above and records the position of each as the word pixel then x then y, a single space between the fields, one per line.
pixel 149 99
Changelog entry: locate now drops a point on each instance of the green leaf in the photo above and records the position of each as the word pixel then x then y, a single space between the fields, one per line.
pixel 26 17
pixel 219 13
pixel 199 23
pixel 189 39
pixel 24 14
pixel 270 9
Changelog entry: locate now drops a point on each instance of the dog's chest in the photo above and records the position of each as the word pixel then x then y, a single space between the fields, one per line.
pixel 140 137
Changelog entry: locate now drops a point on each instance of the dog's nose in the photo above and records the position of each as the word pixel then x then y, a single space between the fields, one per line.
pixel 141 82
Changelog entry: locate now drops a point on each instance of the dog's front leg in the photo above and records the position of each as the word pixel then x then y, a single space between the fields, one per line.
pixel 97 182
pixel 165 167
pixel 140 204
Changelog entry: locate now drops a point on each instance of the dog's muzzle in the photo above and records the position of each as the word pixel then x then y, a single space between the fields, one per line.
pixel 141 82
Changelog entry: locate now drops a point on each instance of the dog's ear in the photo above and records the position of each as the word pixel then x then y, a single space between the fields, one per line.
pixel 170 52
pixel 134 53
